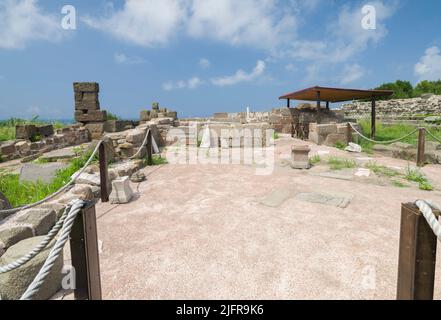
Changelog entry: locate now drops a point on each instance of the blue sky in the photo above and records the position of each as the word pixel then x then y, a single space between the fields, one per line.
pixel 203 56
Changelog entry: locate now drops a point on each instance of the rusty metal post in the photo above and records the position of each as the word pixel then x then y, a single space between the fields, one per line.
pixel 103 174
pixel 421 146
pixel 417 256
pixel 348 132
pixel 149 147
pixel 85 255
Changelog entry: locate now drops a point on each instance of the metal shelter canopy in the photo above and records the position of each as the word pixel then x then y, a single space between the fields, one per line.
pixel 338 95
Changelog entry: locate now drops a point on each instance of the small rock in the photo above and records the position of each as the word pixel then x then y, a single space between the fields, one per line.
pixel 353 147
pixel 137 177
pixel 87 178
pixel 58 154
pixel 45 172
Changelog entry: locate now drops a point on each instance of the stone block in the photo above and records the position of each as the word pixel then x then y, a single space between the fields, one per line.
pixel 155 106
pixel 45 131
pixel 325 129
pixel 26 131
pixel 87 178
pixel 44 172
pixel 333 138
pixel 7 149
pixel 300 157
pixel 316 138
pixel 58 155
pixel 136 137
pixel 91 116
pixel 96 129
pixel 86 87
pixel 13 234
pixel 40 220
pixel 121 191
pixel 14 283
pixel 93 105
pixel 144 115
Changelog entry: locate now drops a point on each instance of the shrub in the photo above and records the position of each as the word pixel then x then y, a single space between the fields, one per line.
pixel 112 116
pixel 340 145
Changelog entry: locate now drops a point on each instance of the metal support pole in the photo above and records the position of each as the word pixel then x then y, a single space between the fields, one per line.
pixel 318 108
pixel 373 118
pixel 348 132
pixel 327 105
pixel 149 147
pixel 417 256
pixel 288 103
pixel 421 146
pixel 85 255
pixel 103 174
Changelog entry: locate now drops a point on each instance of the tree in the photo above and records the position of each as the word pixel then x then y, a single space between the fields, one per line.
pixel 428 87
pixel 402 89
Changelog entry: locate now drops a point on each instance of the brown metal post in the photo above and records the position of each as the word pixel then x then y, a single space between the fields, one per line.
pixel 287 103
pixel 417 256
pixel 149 147
pixel 373 118
pixel 421 146
pixel 85 255
pixel 318 107
pixel 327 105
pixel 348 132
pixel 103 174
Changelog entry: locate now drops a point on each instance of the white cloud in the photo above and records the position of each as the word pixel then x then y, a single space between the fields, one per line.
pixel 429 66
pixel 191 83
pixel 352 73
pixel 258 23
pixel 22 21
pixel 204 63
pixel 240 76
pixel 122 58
pixel 146 23
pixel 290 67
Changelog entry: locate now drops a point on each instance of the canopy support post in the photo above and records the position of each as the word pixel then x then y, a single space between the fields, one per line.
pixel 373 117
pixel 287 103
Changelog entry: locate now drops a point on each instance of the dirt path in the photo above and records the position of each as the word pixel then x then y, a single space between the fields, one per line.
pixel 202 232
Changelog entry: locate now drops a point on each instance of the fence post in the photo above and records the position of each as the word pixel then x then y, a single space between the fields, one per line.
pixel 348 132
pixel 103 173
pixel 417 256
pixel 149 147
pixel 421 146
pixel 85 255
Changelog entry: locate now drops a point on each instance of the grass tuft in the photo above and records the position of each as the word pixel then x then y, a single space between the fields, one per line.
pixel 340 163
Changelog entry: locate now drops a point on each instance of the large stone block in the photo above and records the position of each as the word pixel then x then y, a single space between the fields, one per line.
pixel 86 87
pixel 46 131
pixel 91 116
pixel 325 129
pixel 145 115
pixel 136 137
pixel 299 157
pixel 40 220
pixel 96 129
pixel 26 131
pixel 333 138
pixel 7 149
pixel 44 172
pixel 14 283
pixel 13 234
pixel 121 191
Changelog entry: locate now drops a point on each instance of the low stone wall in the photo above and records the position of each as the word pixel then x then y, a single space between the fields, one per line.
pixel 28 151
pixel 405 151
pixel 328 134
pixel 428 104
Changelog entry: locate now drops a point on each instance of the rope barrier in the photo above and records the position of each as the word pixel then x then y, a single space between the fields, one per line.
pixel 381 142
pixel 144 142
pixel 425 207
pixel 63 188
pixel 432 135
pixel 40 247
pixel 55 252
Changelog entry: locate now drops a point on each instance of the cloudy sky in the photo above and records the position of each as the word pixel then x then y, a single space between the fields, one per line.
pixel 203 56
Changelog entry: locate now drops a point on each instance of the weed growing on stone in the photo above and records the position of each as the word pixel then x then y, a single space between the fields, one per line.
pixel 381 170
pixel 340 145
pixel 339 163
pixel 158 160
pixel 315 160
pixel 415 175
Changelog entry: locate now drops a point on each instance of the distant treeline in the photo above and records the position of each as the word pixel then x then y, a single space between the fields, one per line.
pixel 404 89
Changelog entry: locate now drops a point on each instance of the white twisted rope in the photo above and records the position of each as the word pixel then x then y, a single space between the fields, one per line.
pixel 53 195
pixel 425 207
pixel 381 142
pixel 40 247
pixel 55 252
pixel 144 142
pixel 433 136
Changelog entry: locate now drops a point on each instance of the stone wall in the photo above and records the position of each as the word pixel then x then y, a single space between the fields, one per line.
pixel 28 150
pixel 396 108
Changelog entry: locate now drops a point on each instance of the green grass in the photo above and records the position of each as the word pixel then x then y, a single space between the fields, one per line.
pixel 391 132
pixel 340 163
pixel 381 170
pixel 415 175
pixel 340 145
pixel 112 116
pixel 158 160
pixel 399 184
pixel 276 135
pixel 20 193
pixel 7 127
pixel 315 160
